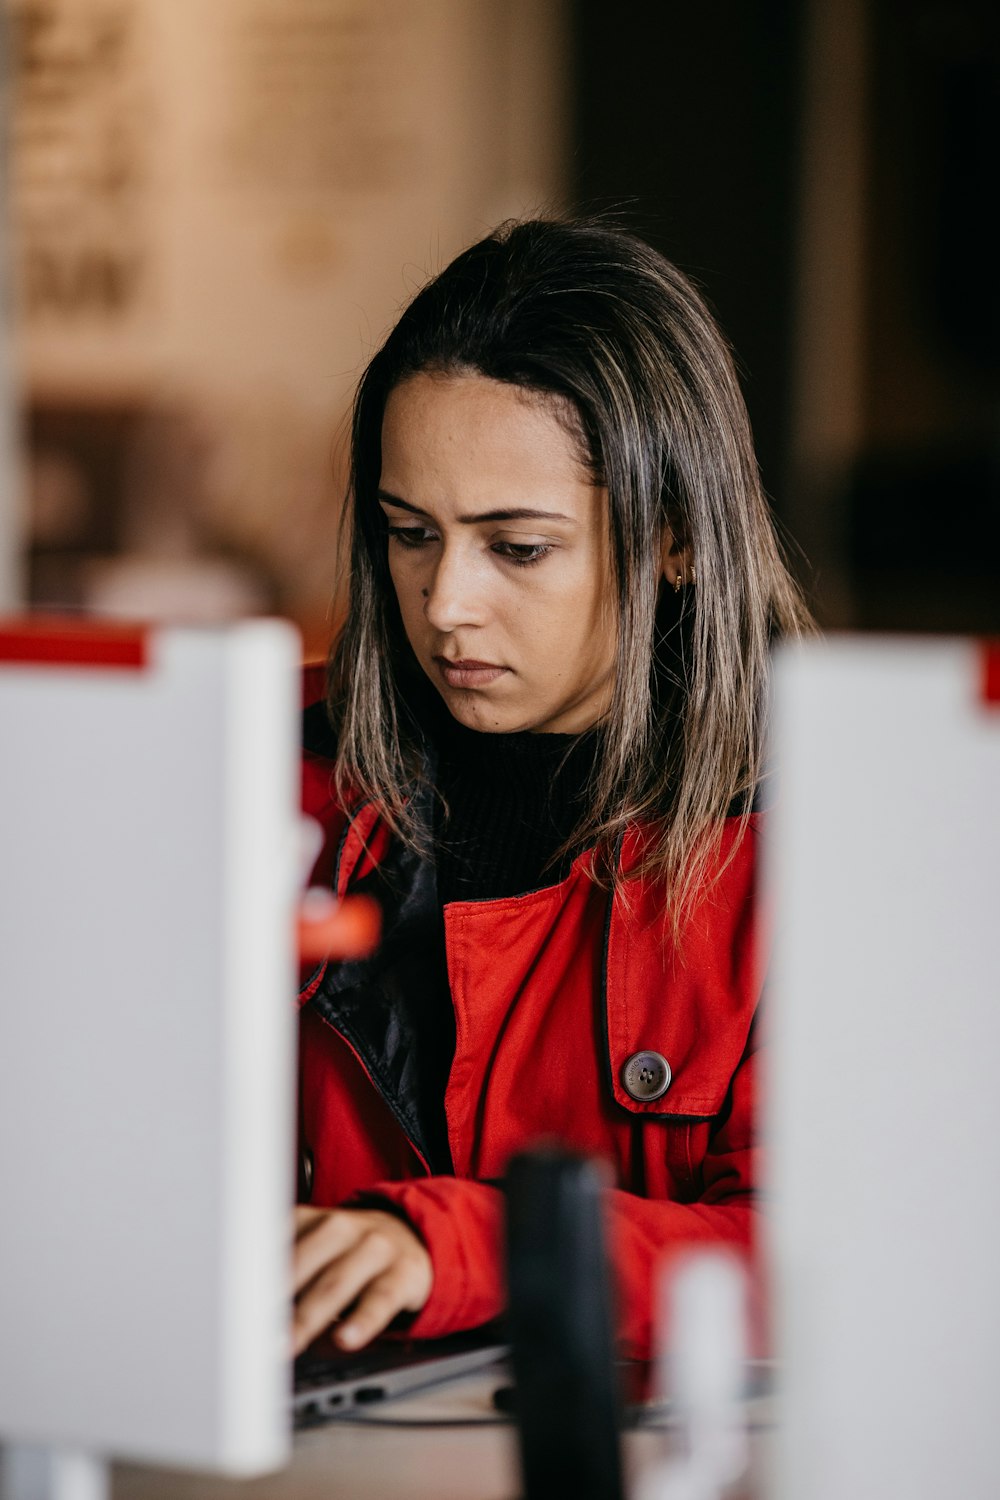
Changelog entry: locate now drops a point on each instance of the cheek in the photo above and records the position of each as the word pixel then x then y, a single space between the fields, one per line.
pixel 589 634
pixel 576 611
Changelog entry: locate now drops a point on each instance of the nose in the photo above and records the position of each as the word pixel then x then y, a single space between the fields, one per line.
pixel 451 595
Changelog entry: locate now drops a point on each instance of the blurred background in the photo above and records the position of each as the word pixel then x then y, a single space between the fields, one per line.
pixel 213 212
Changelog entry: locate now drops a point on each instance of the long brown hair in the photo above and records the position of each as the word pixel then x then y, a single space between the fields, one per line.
pixel 597 320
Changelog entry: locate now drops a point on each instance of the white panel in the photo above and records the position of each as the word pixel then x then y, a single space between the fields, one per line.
pixel 146 882
pixel 884 1108
pixel 262 844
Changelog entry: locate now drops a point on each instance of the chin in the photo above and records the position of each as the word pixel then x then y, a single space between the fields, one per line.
pixel 474 712
pixel 482 718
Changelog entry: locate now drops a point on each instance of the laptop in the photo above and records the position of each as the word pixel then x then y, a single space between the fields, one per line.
pixel 330 1382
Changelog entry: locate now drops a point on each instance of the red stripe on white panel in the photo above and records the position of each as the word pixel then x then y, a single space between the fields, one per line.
pixel 48 640
pixel 990 678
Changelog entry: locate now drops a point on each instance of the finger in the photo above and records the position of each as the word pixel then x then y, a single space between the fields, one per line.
pixel 327 1238
pixel 338 1286
pixel 305 1217
pixel 382 1300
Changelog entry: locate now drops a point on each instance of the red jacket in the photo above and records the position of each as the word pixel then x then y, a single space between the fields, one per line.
pixel 553 992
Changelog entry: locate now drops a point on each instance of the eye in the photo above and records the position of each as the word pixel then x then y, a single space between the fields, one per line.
pixel 522 554
pixel 411 536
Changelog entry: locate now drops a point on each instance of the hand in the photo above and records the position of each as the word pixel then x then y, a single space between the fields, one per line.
pixel 364 1259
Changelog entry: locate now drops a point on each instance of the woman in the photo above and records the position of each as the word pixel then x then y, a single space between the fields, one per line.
pixel 539 751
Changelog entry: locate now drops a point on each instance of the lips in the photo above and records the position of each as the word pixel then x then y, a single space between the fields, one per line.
pixel 465 673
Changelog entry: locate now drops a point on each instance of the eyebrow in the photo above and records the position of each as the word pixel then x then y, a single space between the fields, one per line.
pixel 515 513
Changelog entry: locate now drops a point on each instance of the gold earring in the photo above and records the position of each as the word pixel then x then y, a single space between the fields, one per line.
pixel 678 583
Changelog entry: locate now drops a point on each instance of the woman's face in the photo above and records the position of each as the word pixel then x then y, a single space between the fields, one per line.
pixel 499 554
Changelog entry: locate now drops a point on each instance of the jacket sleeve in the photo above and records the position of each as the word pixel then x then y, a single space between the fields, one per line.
pixel 461 1222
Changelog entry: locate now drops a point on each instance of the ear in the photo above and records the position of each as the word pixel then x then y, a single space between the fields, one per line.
pixel 676 562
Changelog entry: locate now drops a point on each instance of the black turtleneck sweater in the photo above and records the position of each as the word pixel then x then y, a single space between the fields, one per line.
pixel 513 800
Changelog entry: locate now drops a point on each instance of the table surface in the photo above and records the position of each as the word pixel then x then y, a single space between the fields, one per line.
pixel 443 1444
